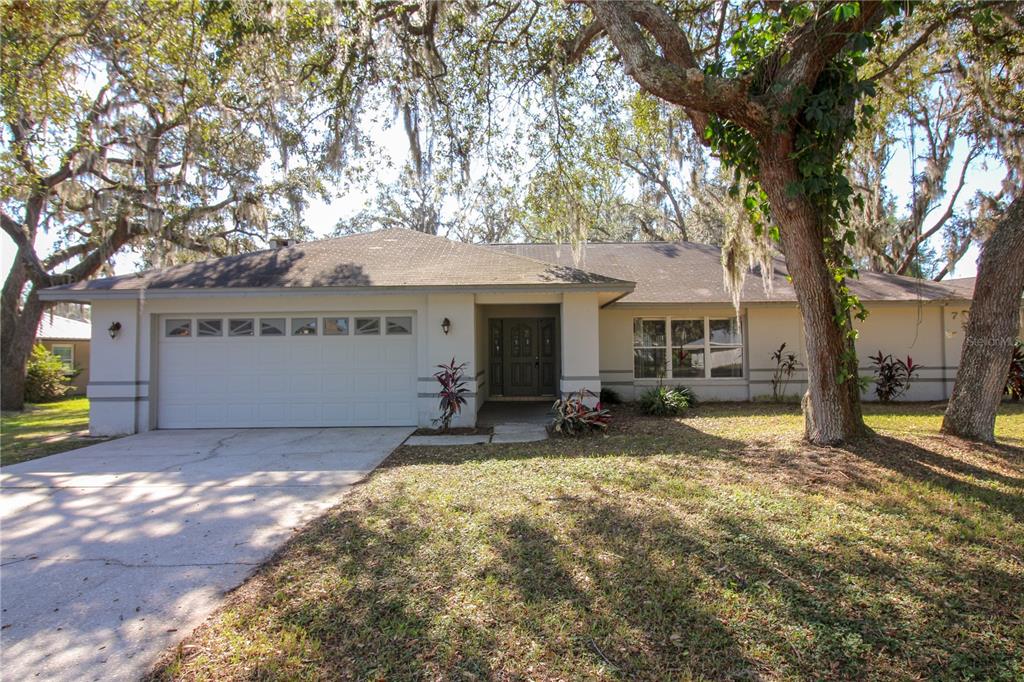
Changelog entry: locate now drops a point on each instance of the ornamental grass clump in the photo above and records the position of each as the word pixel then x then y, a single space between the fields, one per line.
pixel 667 401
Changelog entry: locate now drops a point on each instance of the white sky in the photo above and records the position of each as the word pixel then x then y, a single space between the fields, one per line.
pixel 322 217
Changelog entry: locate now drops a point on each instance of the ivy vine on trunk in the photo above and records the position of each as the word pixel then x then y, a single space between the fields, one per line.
pixel 779 110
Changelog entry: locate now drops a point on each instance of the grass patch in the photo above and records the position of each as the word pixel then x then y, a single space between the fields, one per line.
pixel 713 546
pixel 44 429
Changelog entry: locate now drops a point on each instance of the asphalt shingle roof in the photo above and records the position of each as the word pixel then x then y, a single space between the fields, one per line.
pixel 63 328
pixel 683 272
pixel 386 258
pixel 674 272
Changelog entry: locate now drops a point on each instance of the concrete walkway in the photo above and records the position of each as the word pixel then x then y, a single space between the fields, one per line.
pixel 114 552
pixel 511 422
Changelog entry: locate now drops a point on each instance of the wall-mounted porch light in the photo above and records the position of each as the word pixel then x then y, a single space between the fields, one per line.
pixel 114 329
pixel 446 326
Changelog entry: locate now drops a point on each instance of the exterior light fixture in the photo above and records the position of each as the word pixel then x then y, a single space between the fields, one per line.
pixel 446 326
pixel 114 329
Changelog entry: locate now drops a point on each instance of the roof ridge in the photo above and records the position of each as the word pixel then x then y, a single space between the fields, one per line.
pixel 517 256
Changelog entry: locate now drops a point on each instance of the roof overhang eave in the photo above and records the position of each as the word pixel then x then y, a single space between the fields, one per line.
pixel 87 295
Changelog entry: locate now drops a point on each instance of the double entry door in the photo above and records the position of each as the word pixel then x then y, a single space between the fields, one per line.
pixel 524 357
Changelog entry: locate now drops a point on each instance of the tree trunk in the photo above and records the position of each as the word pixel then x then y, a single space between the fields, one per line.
pixel 992 327
pixel 19 327
pixel 832 411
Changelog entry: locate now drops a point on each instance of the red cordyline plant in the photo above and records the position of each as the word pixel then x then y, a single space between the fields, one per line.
pixel 573 416
pixel 892 375
pixel 452 392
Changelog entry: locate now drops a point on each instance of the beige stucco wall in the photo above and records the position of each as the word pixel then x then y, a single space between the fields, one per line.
pixel 596 344
pixel 928 332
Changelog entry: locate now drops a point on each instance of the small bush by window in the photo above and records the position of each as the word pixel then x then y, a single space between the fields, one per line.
pixel 667 401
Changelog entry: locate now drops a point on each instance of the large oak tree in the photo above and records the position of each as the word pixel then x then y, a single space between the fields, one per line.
pixel 130 125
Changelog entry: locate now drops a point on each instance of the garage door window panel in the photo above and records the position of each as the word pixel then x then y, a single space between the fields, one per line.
pixel 336 326
pixel 178 328
pixel 367 326
pixel 241 327
pixel 273 326
pixel 303 326
pixel 209 328
pixel 398 326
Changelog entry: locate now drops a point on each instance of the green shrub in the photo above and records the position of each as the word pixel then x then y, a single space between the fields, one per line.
pixel 667 401
pixel 609 396
pixel 46 378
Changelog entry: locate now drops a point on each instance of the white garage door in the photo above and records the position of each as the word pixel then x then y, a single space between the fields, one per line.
pixel 279 370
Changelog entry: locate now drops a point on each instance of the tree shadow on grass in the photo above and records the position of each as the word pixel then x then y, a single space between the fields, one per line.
pixel 959 477
pixel 609 604
pixel 654 437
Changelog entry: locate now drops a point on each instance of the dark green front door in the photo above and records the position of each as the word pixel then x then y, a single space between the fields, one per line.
pixel 528 356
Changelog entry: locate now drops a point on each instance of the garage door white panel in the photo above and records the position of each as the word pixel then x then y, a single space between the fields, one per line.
pixel 312 380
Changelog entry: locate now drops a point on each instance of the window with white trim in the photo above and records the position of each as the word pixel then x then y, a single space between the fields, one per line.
pixel 693 348
pixel 648 348
pixel 66 353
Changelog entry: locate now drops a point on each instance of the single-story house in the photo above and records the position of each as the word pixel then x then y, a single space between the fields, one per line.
pixel 69 340
pixel 349 331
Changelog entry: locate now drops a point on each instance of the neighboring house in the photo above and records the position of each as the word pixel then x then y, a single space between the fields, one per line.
pixel 349 331
pixel 69 340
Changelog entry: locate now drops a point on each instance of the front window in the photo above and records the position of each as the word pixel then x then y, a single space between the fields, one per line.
pixel 726 348
pixel 649 348
pixel 687 348
pixel 693 348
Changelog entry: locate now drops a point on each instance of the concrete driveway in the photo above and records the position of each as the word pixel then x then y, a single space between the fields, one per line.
pixel 113 552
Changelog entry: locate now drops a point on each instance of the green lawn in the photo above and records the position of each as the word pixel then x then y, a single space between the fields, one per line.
pixel 44 429
pixel 710 547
